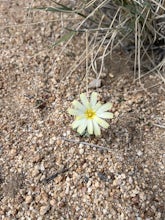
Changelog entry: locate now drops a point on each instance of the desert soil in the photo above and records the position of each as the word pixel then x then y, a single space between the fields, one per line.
pixel 46 171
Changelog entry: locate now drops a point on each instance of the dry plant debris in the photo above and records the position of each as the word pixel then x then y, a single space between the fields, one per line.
pixel 124 182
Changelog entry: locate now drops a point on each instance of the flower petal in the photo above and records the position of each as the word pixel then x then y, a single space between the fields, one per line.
pixel 97 106
pixel 93 99
pixel 84 100
pixel 90 126
pixel 77 123
pixel 108 115
pixel 80 117
pixel 101 122
pixel 78 105
pixel 82 127
pixel 74 112
pixel 96 128
pixel 104 108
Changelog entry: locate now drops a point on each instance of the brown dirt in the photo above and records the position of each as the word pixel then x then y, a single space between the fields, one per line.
pixel 125 182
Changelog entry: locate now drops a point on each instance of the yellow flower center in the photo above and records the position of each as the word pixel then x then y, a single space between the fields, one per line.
pixel 90 114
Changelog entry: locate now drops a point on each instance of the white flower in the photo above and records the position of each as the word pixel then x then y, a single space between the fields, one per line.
pixel 89 115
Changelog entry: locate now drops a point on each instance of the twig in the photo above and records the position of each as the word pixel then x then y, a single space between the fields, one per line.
pixel 47 180
pixel 86 143
pixel 160 126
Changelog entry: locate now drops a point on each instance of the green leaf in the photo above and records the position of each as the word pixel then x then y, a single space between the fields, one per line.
pixel 54 9
pixel 67 9
pixel 63 6
pixel 63 9
pixel 64 38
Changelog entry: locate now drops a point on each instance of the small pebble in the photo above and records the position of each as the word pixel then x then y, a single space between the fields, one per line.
pixel 28 199
pixel 139 153
pixel 95 83
pixel 44 209
pixel 81 151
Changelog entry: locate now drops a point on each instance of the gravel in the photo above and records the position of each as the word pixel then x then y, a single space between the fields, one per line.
pixel 47 170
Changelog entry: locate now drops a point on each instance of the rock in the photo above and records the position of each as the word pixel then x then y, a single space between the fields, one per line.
pixel 37 158
pixel 81 151
pixel 97 184
pixel 13 153
pixel 67 190
pixel 28 199
pixel 89 190
pixel 52 140
pixel 42 167
pixel 35 171
pixel 58 142
pixel 44 198
pixel 139 153
pixel 52 202
pixel 44 209
pixel 1 85
pixel 95 83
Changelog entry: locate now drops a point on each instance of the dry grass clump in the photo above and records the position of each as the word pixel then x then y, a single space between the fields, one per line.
pixel 138 27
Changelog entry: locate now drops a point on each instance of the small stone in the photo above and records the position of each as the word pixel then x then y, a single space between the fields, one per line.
pixel 142 196
pixel 158 215
pixel 1 85
pixel 44 209
pixel 146 170
pixel 130 180
pixel 122 176
pixel 135 199
pixel 105 211
pixel 81 151
pixel 52 140
pixel 71 150
pixel 134 192
pixel 68 132
pixel 139 153
pixel 116 114
pixel 75 175
pixel 89 190
pixel 58 142
pixel 52 202
pixel 28 199
pixel 58 179
pixel 130 102
pixel 44 198
pixel 122 216
pixel 89 183
pixel 111 75
pixel 67 190
pixel 95 83
pixel 13 153
pixel 40 134
pixel 97 184
pixel 37 158
pixel 35 171
pixel 37 198
pixel 42 177
pixel 42 167
pixel 81 145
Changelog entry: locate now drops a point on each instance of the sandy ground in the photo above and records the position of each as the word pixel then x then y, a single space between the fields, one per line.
pixel 46 172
